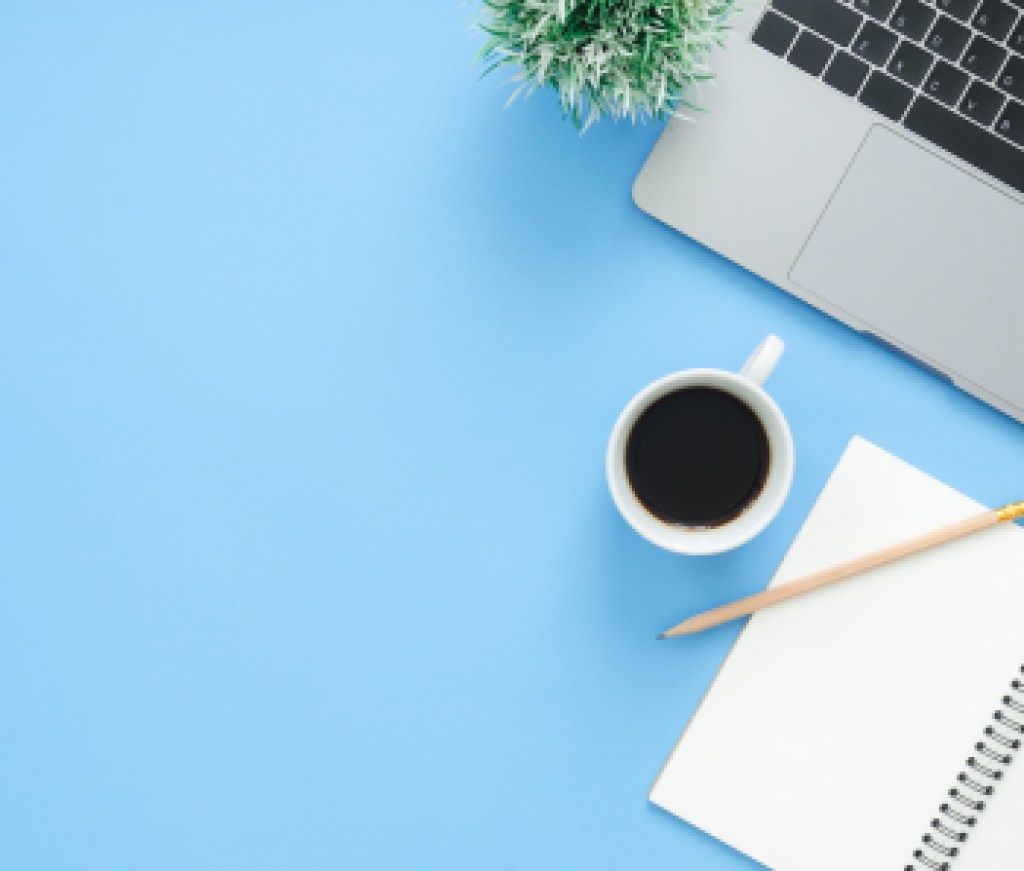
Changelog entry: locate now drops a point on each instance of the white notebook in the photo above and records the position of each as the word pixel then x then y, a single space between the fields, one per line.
pixel 871 725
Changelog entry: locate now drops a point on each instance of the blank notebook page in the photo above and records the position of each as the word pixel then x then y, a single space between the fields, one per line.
pixel 840 719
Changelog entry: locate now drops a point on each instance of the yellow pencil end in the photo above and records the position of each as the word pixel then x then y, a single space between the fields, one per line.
pixel 1011 512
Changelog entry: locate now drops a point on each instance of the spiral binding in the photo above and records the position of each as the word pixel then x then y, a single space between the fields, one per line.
pixel 974 785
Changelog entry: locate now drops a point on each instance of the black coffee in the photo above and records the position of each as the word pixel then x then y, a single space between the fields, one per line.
pixel 697 457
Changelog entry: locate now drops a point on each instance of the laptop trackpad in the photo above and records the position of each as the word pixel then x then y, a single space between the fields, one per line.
pixel 927 256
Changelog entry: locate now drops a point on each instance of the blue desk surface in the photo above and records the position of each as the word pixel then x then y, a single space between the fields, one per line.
pixel 309 351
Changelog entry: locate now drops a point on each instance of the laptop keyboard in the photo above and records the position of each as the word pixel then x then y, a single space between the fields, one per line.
pixel 951 71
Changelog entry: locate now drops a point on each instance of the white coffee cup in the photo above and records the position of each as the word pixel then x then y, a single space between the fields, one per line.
pixel 759 512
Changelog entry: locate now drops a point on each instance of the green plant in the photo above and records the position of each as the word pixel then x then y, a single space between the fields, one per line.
pixel 618 58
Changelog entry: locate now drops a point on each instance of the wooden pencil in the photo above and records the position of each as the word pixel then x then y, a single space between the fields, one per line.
pixel 817 580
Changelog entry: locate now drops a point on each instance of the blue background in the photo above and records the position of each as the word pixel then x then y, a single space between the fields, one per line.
pixel 309 351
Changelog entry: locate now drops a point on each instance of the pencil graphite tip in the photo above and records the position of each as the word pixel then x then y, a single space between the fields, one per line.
pixel 663 635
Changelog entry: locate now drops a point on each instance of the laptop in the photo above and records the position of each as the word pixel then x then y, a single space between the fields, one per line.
pixel 868 157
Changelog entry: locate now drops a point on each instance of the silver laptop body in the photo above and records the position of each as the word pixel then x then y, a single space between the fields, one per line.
pixel 857 155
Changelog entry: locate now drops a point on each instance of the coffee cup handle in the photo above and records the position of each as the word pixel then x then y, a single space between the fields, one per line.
pixel 763 360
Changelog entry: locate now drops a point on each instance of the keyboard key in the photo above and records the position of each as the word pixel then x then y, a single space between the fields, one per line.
pixel 775 33
pixel 886 96
pixel 1016 40
pixel 810 53
pixel 1011 79
pixel 825 17
pixel 982 103
pixel 1011 122
pixel 948 38
pixel 966 140
pixel 912 19
pixel 983 58
pixel 995 18
pixel 874 43
pixel 846 73
pixel 878 9
pixel 946 83
pixel 962 9
pixel 910 64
